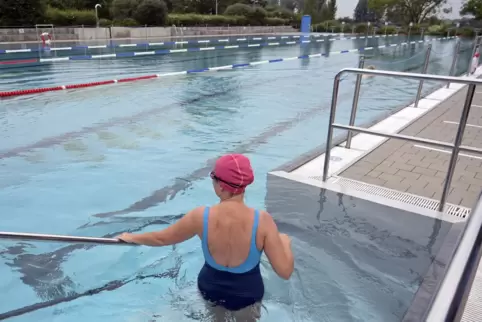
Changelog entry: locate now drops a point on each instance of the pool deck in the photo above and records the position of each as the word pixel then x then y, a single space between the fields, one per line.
pixel 406 172
pixel 420 169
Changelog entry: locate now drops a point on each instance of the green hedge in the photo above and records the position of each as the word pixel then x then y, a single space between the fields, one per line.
pixel 70 17
pixel 210 20
pixel 84 17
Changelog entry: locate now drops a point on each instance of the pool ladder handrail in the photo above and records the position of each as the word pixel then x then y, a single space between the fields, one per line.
pixel 62 238
pixel 456 147
pixel 449 300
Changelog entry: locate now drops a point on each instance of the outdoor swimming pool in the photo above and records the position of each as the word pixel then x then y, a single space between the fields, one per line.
pixel 136 156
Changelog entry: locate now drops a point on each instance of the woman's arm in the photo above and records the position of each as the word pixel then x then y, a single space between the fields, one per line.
pixel 182 230
pixel 278 248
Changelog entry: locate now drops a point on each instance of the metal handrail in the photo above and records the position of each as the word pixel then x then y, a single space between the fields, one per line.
pixel 451 297
pixel 62 238
pixel 456 146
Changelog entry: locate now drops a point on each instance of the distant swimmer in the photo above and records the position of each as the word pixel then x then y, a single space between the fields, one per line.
pixel 371 67
pixel 233 237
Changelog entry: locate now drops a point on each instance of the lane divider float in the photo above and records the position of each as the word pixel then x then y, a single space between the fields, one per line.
pixel 171 43
pixel 173 51
pixel 23 92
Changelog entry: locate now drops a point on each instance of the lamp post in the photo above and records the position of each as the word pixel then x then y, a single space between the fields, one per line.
pixel 97 6
pixel 409 31
pixel 386 26
pixel 216 7
pixel 342 27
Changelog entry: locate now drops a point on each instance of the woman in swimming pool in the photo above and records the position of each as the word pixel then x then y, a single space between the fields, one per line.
pixel 233 237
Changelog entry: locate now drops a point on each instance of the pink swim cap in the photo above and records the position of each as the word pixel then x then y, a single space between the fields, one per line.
pixel 233 173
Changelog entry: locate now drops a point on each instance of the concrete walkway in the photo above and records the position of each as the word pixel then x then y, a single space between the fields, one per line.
pixel 421 169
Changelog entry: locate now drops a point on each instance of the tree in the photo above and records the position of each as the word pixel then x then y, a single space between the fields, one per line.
pixel 151 12
pixel 123 9
pixel 332 8
pixel 406 11
pixel 472 7
pixel 21 12
pixel 363 13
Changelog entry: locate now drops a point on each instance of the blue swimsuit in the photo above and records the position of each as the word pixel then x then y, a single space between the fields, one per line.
pixel 233 288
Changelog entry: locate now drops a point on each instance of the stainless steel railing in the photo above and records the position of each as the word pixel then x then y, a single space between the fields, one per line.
pixel 448 304
pixel 456 147
pixel 62 238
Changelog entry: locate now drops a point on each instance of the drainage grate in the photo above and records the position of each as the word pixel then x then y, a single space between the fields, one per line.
pixel 453 210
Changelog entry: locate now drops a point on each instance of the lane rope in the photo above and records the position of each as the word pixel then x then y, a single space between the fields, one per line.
pixel 172 43
pixel 193 71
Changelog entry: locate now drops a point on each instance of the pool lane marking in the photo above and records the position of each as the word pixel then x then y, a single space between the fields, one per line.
pixel 232 66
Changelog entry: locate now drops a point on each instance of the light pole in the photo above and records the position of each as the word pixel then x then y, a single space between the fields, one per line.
pixel 409 31
pixel 386 26
pixel 216 7
pixel 342 27
pixel 97 6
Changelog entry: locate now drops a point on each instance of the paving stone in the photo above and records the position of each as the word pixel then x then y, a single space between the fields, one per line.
pixel 423 170
pixel 390 177
pixel 408 174
pixel 403 166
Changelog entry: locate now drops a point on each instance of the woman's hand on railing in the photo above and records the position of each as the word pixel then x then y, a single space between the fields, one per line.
pixel 127 238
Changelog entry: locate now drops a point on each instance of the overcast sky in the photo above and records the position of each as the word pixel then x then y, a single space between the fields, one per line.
pixel 346 8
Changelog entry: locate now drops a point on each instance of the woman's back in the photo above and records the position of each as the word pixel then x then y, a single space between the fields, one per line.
pixel 231 227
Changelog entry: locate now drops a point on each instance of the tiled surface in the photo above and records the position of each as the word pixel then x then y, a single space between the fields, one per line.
pixel 406 166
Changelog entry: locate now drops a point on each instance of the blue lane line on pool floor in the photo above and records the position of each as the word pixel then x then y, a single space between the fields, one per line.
pixel 170 43
pixel 184 50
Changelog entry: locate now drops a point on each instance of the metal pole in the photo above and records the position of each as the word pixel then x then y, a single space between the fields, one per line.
pixel 61 238
pixel 329 137
pixel 454 60
pixel 97 14
pixel 457 143
pixel 354 106
pixel 216 7
pixel 424 71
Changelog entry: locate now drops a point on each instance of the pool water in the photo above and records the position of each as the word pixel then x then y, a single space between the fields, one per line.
pixel 136 156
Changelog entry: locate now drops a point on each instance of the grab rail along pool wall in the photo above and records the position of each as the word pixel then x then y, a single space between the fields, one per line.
pixel 456 147
pixel 453 292
pixel 62 238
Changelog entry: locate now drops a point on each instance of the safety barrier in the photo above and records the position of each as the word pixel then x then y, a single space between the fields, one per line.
pixel 171 43
pixel 192 71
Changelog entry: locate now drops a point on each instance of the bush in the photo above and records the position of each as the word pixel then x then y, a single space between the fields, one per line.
pixel 70 17
pixel 105 22
pixel 257 16
pixel 437 30
pixel 151 12
pixel 210 20
pixel 280 12
pixel 238 9
pixel 361 28
pixel 123 9
pixel 128 22
pixel 273 21
pixel 466 32
pixel 21 12
pixel 389 30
